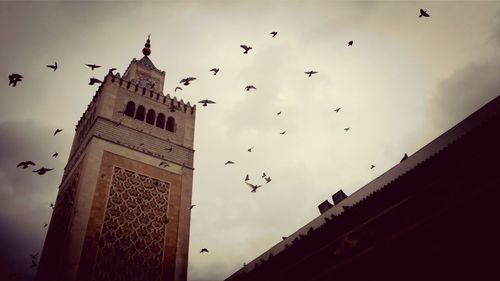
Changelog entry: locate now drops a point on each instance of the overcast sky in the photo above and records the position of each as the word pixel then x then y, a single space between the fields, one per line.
pixel 404 82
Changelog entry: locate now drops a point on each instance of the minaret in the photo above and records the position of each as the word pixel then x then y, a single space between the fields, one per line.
pixel 122 211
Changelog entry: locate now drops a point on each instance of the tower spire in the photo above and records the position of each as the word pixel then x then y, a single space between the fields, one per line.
pixel 146 50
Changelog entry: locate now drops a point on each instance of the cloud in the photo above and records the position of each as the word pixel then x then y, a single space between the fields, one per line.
pixel 25 196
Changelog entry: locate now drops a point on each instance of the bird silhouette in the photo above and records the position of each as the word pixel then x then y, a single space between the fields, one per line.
pixel 45 225
pixel 350 43
pixel 42 171
pixel 346 129
pixel 191 207
pixel 246 48
pixel 229 162
pixel 25 164
pixel 372 166
pixel 274 33
pixel 250 87
pixel 337 110
pixel 205 102
pixel 94 81
pixel 187 80
pixel 284 237
pixel 404 158
pixel 215 70
pixel 423 14
pixel 263 175
pixel 58 131
pixel 253 186
pixel 247 178
pixel 52 205
pixel 268 179
pixel 110 71
pixel 282 133
pixel 163 163
pixel 177 88
pixel 14 78
pixel 94 66
pixel 53 66
pixel 204 250
pixel 250 149
pixel 310 72
pixel 55 154
pixel 169 149
pixel 278 113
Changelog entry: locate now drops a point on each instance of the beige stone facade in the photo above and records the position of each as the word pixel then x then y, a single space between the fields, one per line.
pixel 119 215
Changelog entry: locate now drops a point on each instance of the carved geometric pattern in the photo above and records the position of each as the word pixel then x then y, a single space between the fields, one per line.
pixel 131 242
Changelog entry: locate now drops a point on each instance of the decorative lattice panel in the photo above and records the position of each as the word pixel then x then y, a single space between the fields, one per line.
pixel 131 243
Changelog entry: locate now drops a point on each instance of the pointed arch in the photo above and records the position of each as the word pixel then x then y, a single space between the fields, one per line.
pixel 160 121
pixel 150 117
pixel 170 124
pixel 130 109
pixel 139 114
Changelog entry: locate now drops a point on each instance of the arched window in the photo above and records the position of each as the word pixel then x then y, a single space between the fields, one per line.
pixel 130 109
pixel 170 124
pixel 160 121
pixel 150 118
pixel 141 111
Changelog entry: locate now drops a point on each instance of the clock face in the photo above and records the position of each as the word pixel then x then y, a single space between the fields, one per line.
pixel 146 83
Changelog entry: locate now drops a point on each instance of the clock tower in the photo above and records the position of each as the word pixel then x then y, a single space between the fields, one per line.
pixel 122 211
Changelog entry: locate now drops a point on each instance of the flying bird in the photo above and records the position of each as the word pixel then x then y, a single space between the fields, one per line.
pixel 25 164
pixel 215 70
pixel 346 129
pixel 247 178
pixel 246 48
pixel 278 113
pixel 163 163
pixel 423 14
pixel 404 158
pixel 372 166
pixel 55 154
pixel 45 225
pixel 310 72
pixel 94 80
pixel 250 149
pixel 94 66
pixel 204 250
pixel 191 207
pixel 282 133
pixel 52 205
pixel 229 162
pixel 205 102
pixel 177 88
pixel 187 80
pixel 110 71
pixel 250 87
pixel 57 131
pixel 253 186
pixel 264 175
pixel 350 43
pixel 14 78
pixel 268 179
pixel 53 66
pixel 42 171
pixel 338 109
pixel 274 33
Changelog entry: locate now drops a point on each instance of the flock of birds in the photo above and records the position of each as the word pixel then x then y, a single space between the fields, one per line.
pixel 15 78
